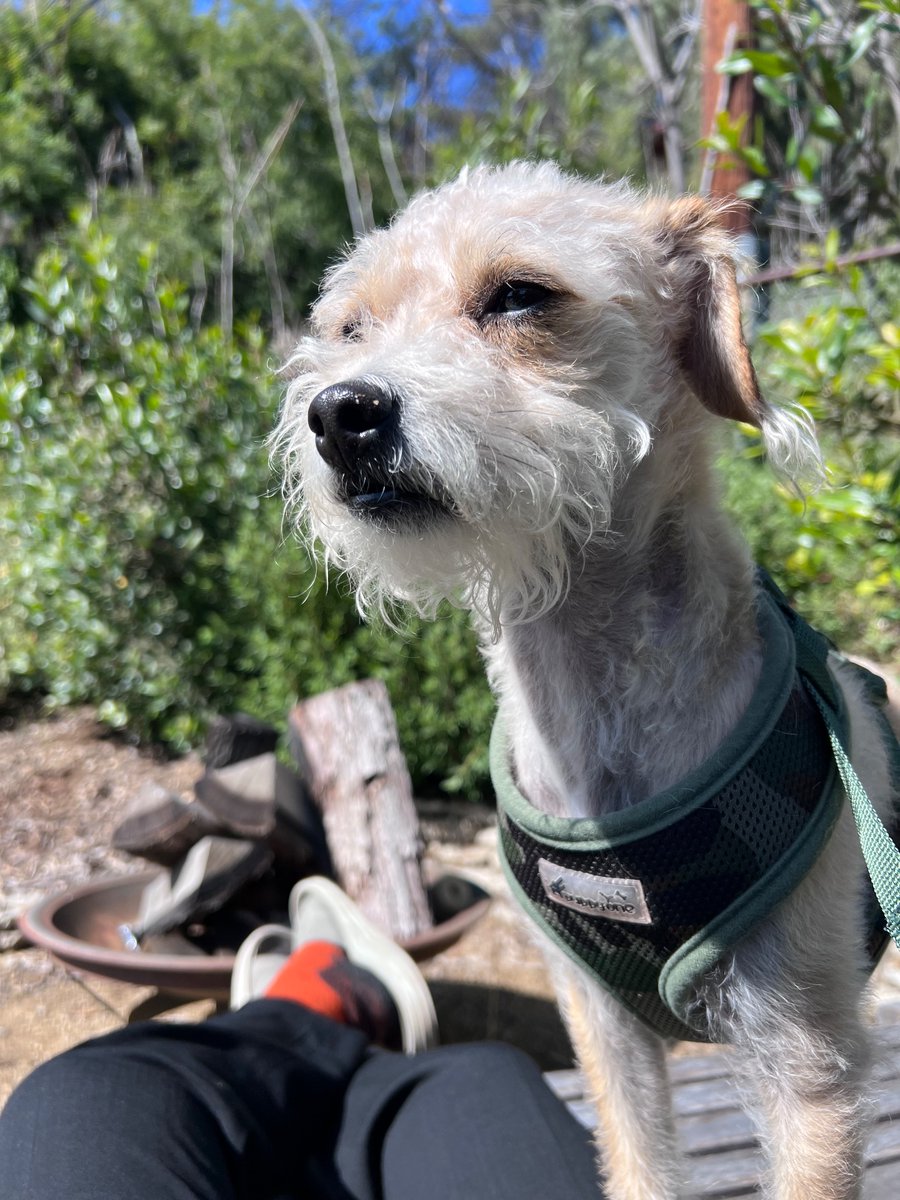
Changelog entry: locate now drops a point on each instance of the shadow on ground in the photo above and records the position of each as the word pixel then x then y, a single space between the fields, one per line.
pixel 474 1013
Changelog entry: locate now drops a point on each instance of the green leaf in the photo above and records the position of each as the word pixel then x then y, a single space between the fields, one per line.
pixel 832 245
pixel 738 64
pixel 827 123
pixel 808 162
pixel 769 88
pixel 860 40
pixel 767 63
pixel 731 127
pixel 754 189
pixel 754 159
pixel 831 85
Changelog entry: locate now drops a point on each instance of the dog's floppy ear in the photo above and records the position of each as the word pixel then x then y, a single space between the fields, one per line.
pixel 710 343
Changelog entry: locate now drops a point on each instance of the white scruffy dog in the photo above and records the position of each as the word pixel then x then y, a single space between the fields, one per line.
pixel 507 399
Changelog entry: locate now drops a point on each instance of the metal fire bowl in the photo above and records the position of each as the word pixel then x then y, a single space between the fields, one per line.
pixel 81 927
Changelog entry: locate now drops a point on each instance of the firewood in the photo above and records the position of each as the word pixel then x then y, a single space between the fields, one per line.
pixel 160 826
pixel 231 739
pixel 261 798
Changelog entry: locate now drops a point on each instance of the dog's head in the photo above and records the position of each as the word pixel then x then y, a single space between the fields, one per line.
pixel 483 378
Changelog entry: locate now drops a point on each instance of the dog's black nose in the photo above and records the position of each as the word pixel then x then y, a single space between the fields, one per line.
pixel 353 421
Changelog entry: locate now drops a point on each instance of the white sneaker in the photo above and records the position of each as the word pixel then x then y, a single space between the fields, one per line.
pixel 320 911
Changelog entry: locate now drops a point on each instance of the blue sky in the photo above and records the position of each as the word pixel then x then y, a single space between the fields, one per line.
pixel 363 18
pixel 368 14
pixel 364 22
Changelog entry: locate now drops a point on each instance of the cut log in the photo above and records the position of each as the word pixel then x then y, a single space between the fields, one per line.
pixel 347 749
pixel 161 826
pixel 233 738
pixel 208 876
pixel 261 798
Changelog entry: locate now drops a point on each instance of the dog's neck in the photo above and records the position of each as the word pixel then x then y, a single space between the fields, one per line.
pixel 643 669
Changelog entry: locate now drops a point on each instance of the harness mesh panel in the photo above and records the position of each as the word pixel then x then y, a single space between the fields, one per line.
pixel 720 850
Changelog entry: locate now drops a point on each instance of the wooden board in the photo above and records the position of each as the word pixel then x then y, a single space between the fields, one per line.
pixel 719 1139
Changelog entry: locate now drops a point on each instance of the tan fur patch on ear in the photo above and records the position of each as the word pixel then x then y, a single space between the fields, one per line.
pixel 710 344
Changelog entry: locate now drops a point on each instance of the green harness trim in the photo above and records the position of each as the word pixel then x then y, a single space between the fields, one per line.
pixel 648 899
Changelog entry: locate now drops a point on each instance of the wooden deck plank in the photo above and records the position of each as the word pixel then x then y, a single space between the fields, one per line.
pixel 730 1173
pixel 696 1068
pixel 705 1096
pixel 884 1144
pixel 709 1133
pixel 719 1138
pixel 566 1085
pixel 882 1182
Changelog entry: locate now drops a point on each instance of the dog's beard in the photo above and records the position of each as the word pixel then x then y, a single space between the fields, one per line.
pixel 519 485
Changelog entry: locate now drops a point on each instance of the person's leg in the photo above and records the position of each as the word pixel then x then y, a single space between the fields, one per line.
pixel 241 1106
pixel 459 1123
pixel 277 1100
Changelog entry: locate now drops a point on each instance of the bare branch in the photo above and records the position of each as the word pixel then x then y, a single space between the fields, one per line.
pixel 464 42
pixel 338 129
pixel 198 301
pixel 637 16
pixel 688 31
pixel 381 117
pixel 709 159
pixel 239 191
pixel 885 52
pixel 132 143
pixel 273 276
pixel 274 142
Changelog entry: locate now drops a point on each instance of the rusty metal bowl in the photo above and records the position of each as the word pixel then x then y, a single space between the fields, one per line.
pixel 82 927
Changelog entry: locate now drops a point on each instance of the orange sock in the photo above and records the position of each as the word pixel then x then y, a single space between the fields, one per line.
pixel 301 980
pixel 320 976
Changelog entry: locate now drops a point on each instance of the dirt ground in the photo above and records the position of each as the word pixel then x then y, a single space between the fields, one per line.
pixel 63 787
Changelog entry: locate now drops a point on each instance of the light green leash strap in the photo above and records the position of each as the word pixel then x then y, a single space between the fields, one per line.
pixel 881 855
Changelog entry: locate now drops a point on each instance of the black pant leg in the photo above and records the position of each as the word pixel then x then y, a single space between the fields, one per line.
pixel 472 1122
pixel 241 1107
pixel 274 1102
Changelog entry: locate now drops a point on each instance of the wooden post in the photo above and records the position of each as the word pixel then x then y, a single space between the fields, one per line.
pixel 726 27
pixel 347 748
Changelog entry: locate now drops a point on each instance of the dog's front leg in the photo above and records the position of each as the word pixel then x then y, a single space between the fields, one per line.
pixel 810 1079
pixel 806 1056
pixel 624 1064
pixel 791 1003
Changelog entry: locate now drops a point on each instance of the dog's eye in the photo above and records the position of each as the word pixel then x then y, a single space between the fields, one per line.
pixel 517 296
pixel 351 331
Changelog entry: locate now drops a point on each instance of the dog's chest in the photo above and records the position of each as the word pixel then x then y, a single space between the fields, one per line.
pixel 648 899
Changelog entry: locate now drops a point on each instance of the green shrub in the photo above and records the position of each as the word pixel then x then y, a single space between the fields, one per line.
pixel 132 447
pixel 305 636
pixel 145 569
pixel 836 551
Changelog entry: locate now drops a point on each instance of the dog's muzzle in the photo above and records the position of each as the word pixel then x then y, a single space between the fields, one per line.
pixel 357 430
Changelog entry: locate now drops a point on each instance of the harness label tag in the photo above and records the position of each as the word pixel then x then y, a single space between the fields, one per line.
pixel 598 895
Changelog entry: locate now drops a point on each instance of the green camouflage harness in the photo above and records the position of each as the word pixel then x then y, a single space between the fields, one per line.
pixel 648 899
